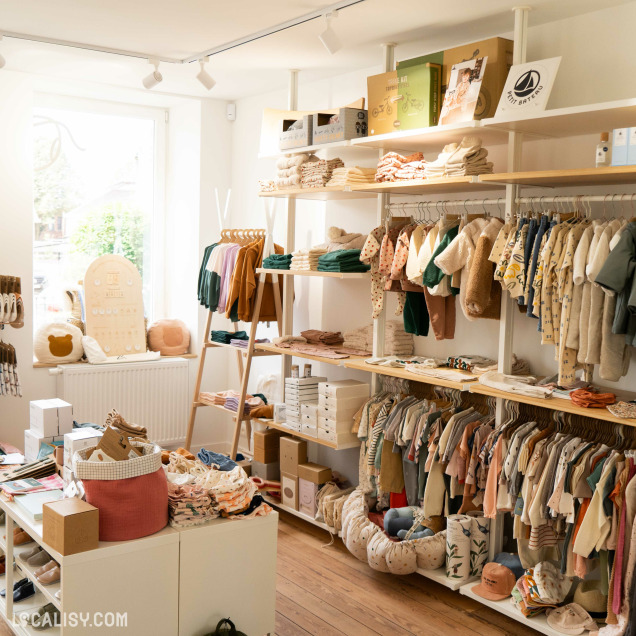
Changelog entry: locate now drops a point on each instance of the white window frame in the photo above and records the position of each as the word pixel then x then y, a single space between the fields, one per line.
pixel 160 118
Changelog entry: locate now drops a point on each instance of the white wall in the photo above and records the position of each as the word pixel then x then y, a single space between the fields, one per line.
pixel 598 50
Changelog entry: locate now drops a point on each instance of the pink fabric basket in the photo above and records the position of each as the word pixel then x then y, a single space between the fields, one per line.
pixel 130 507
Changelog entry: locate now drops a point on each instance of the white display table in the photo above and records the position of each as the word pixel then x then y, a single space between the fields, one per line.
pixel 174 582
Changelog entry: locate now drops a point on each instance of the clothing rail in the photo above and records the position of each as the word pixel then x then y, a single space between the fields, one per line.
pixel 587 198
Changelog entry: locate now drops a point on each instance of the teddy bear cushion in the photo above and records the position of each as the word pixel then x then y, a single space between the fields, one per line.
pixel 169 336
pixel 58 342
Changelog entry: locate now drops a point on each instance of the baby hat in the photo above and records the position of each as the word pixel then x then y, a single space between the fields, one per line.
pixel 552 586
pixel 497 582
pixel 570 619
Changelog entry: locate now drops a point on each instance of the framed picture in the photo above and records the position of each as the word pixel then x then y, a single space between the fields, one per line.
pixel 463 90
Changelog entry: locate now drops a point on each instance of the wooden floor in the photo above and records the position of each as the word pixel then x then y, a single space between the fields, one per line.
pixel 326 591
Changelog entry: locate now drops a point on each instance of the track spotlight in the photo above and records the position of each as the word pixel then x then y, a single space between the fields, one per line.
pixel 154 78
pixel 204 77
pixel 328 37
pixel 2 60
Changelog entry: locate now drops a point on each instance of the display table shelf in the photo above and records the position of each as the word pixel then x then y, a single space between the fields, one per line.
pixel 314 273
pixel 318 194
pixel 443 185
pixel 281 427
pixel 283 351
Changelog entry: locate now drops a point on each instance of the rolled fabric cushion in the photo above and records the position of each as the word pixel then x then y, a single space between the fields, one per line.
pixel 401 558
pixel 360 531
pixel 377 546
pixel 431 552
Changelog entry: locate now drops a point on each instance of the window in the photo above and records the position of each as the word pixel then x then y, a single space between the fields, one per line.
pixel 98 182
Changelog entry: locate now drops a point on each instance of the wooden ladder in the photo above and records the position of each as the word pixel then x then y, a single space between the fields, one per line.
pixel 244 360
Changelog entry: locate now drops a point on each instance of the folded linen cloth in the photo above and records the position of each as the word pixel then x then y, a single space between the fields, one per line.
pixel 523 385
pixel 342 261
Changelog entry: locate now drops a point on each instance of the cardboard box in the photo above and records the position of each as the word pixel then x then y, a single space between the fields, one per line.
pixel 309 428
pixel 307 492
pixel 299 382
pixel 325 402
pixel 51 417
pixel 340 414
pixel 289 490
pixel 267 439
pixel 78 440
pixel 296 137
pixel 292 452
pixel 620 140
pixel 33 442
pixel 266 455
pixel 419 96
pixel 330 435
pixel 344 389
pixel 246 465
pixel 499 54
pixel 631 147
pixel 269 472
pixel 382 93
pixel 337 426
pixel 349 123
pixel 315 473
pixel 70 526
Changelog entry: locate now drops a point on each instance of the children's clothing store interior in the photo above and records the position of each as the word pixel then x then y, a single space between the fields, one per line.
pixel 319 319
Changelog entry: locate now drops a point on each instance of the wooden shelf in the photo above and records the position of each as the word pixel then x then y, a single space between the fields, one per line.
pixel 281 427
pixel 616 175
pixel 539 623
pixel 272 348
pixel 558 404
pixel 233 348
pixel 428 186
pixel 221 408
pixel 314 273
pixel 317 194
pixel 347 143
pixel 439 576
pixel 47 590
pixel 568 122
pixel 433 138
pixel 397 372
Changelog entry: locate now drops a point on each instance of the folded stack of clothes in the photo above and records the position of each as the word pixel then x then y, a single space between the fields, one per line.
pixel 316 174
pixel 316 336
pixel 391 162
pixel 306 259
pixel 230 400
pixel 288 170
pixel 277 261
pixel 224 337
pixel 539 589
pixel 467 158
pixel 243 344
pixel 339 239
pixel 189 505
pixel 396 340
pixel 351 176
pixel 231 491
pixel 342 261
pixel 412 170
pixel 266 185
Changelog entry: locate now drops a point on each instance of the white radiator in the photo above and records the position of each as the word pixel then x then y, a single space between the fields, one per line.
pixel 153 394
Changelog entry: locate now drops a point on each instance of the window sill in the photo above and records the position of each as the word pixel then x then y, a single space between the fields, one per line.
pixel 52 365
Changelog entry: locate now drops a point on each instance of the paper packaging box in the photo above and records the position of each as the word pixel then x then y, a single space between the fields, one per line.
pixel 70 526
pixel 349 123
pixel 382 93
pixel 307 492
pixel 292 452
pixel 296 137
pixel 325 402
pixel 315 473
pixel 78 440
pixel 33 441
pixel 499 54
pixel 279 412
pixel 339 439
pixel 269 471
pixel 309 428
pixel 419 96
pixel 620 140
pixel 631 147
pixel 338 426
pixel 289 490
pixel 267 439
pixel 339 414
pixel 266 455
pixel 304 381
pixel 51 417
pixel 344 389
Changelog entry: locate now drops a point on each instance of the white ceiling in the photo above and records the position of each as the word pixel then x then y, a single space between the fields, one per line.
pixel 180 29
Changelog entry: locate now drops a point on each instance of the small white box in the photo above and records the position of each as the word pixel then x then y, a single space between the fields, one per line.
pixel 335 425
pixel 309 428
pixel 280 412
pixel 51 417
pixel 338 414
pixel 78 440
pixel 338 439
pixel 67 475
pixel 309 408
pixel 342 402
pixel 304 381
pixel 344 389
pixel 32 442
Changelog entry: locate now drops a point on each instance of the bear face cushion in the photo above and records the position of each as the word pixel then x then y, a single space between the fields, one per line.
pixel 169 337
pixel 58 342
